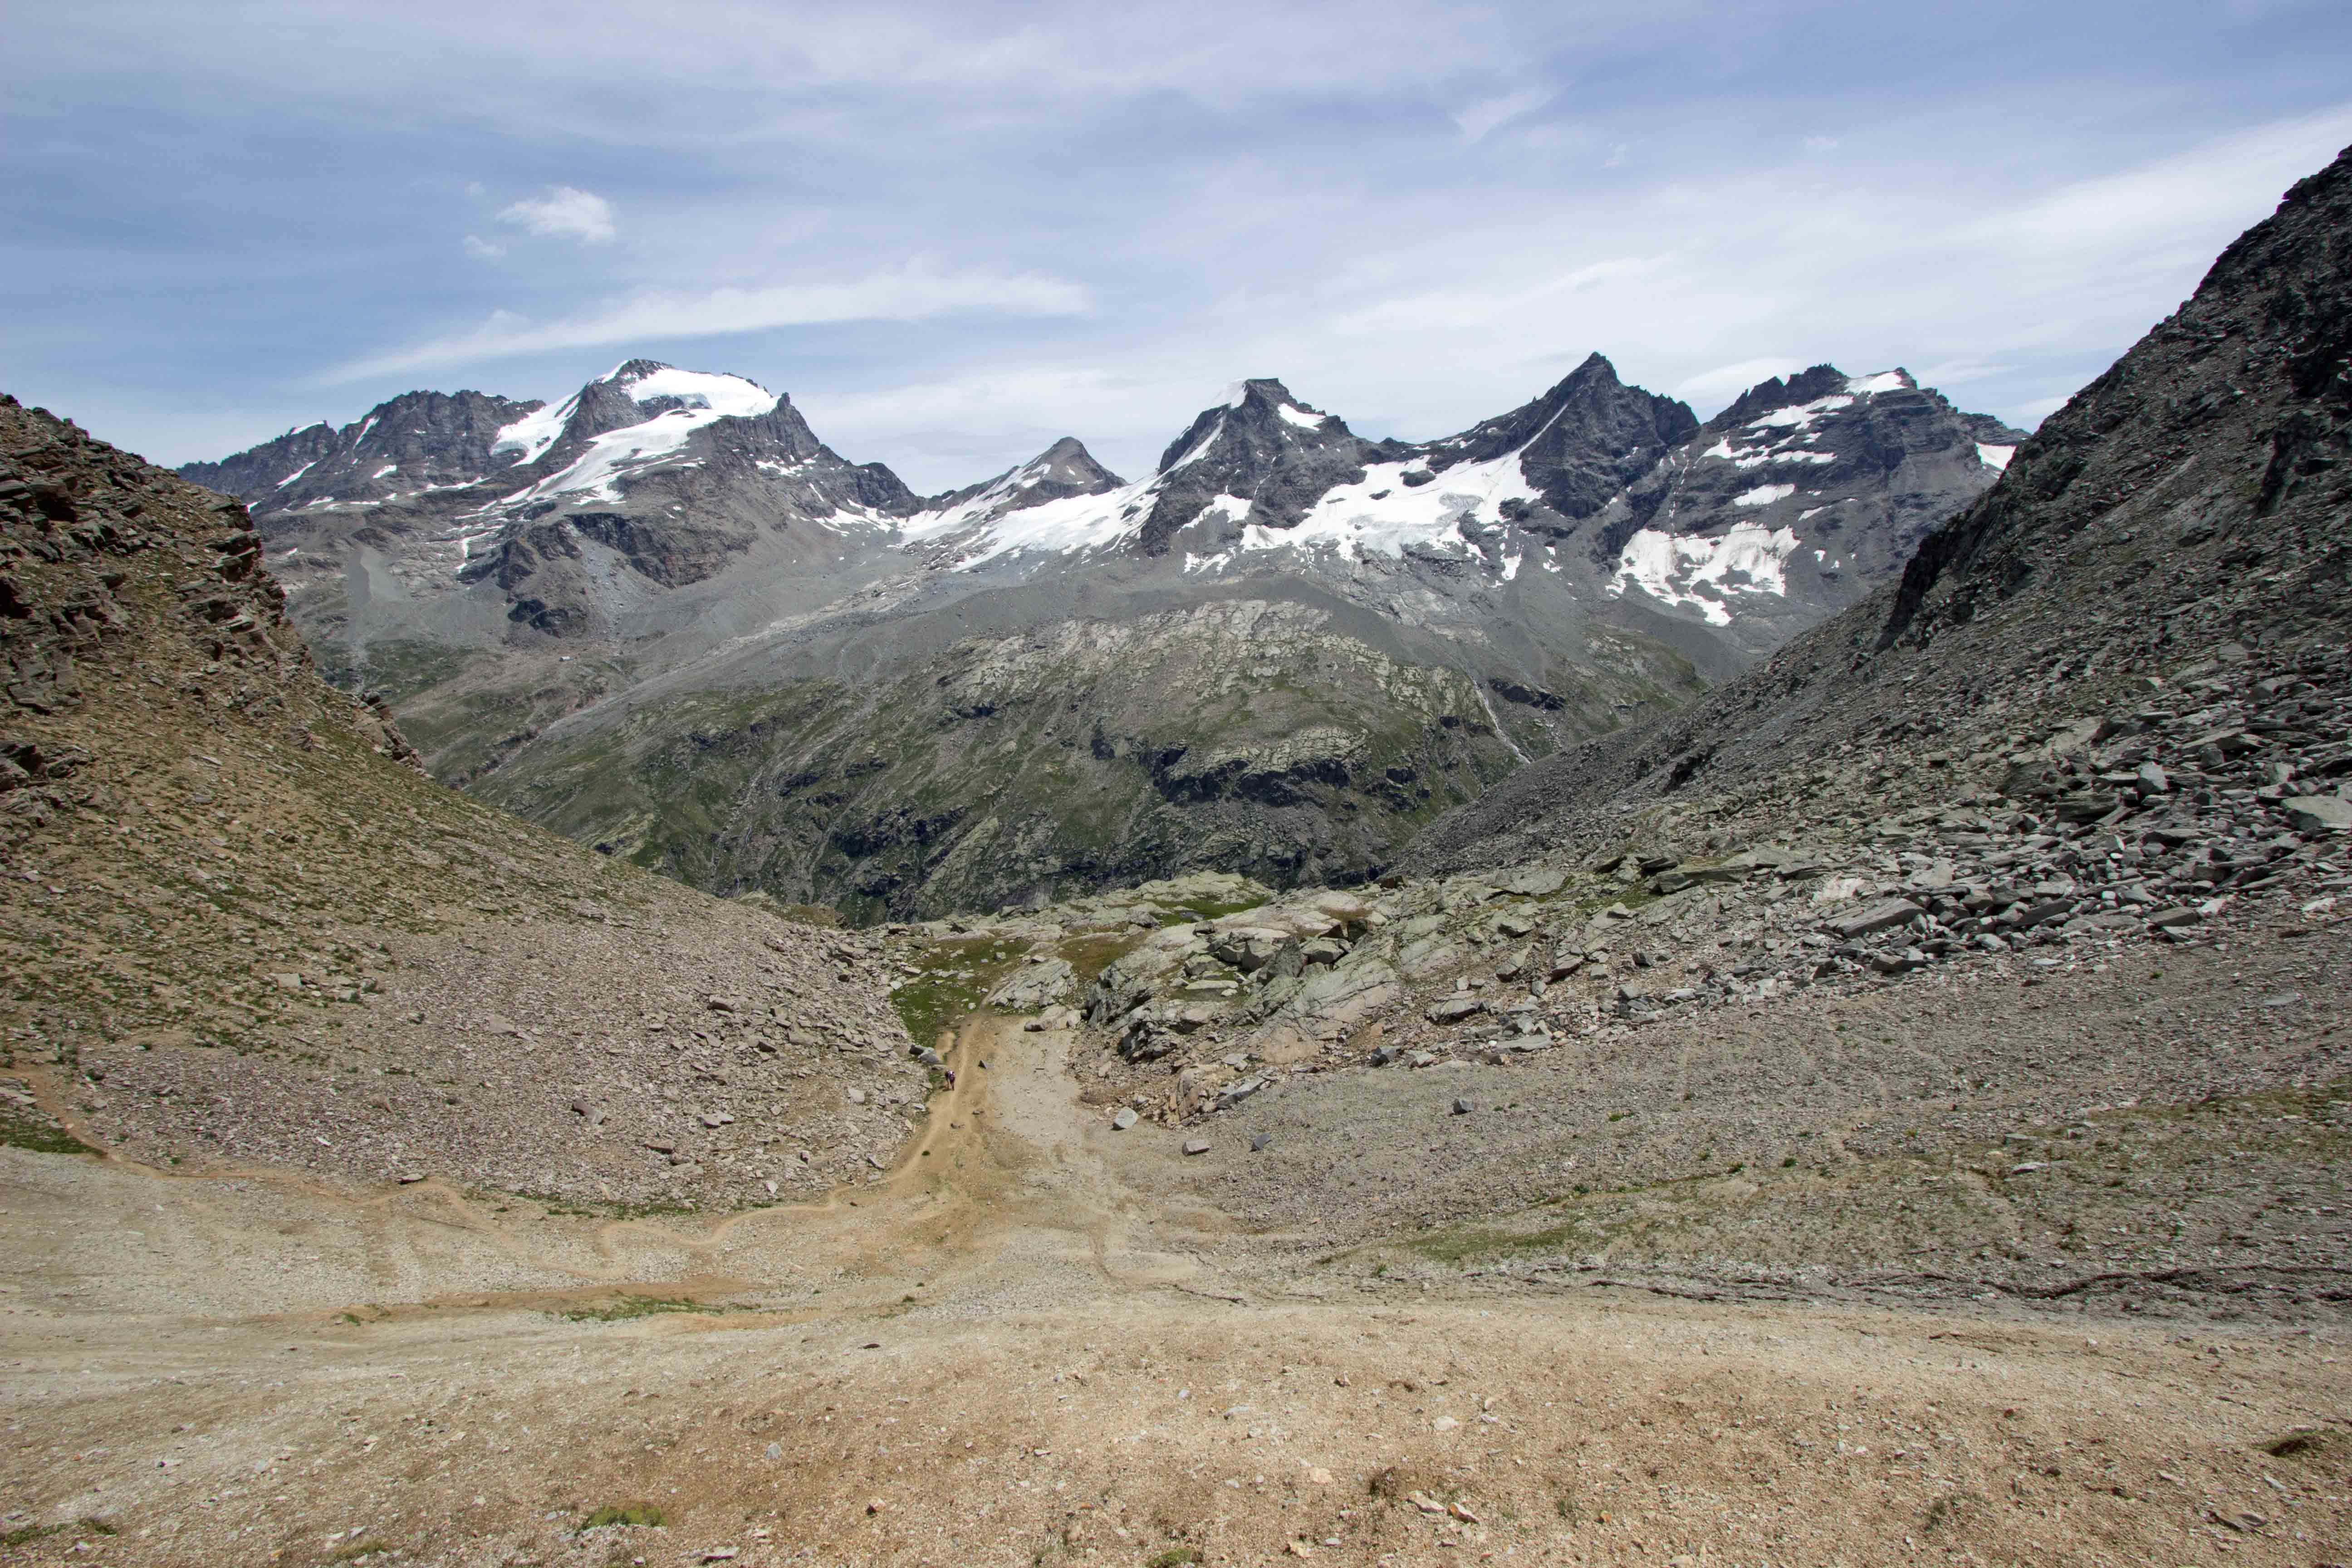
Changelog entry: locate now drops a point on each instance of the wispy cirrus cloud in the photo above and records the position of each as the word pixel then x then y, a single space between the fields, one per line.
pixel 565 212
pixel 1484 116
pixel 912 293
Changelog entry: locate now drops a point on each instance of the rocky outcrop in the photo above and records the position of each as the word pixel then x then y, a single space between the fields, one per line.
pixel 1579 445
pixel 1263 448
pixel 2149 565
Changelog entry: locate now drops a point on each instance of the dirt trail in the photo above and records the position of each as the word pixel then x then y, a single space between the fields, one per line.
pixel 1030 1341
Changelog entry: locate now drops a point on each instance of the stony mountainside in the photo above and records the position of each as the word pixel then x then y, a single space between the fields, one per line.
pixel 2166 556
pixel 240 926
pixel 661 617
pixel 1988 939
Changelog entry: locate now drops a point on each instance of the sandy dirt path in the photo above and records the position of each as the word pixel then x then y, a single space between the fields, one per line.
pixel 1027 1344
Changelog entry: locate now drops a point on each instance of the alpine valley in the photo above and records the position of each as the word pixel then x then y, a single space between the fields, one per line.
pixel 664 618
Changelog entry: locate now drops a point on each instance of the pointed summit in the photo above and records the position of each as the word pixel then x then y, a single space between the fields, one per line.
pixel 1262 455
pixel 1582 441
pixel 1064 470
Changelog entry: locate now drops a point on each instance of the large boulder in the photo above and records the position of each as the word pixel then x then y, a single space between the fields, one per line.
pixel 1034 987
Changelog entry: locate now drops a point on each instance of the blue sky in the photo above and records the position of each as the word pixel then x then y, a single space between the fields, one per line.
pixel 954 232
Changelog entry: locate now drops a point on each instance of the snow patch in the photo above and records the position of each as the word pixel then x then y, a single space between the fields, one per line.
pixel 1764 495
pixel 1884 381
pixel 314 463
pixel 1802 415
pixel 1302 418
pixel 530 437
pixel 596 472
pixel 1703 572
pixel 1355 522
pixel 1995 457
pixel 726 395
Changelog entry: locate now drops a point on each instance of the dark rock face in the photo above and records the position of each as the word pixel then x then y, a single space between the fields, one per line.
pixel 2138 632
pixel 1582 442
pixel 1826 481
pixel 1263 446
pixel 2258 365
pixel 415 441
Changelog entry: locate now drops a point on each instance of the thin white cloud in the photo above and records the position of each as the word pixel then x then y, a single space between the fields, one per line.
pixel 1484 116
pixel 912 293
pixel 1725 382
pixel 567 212
pixel 2178 198
pixel 482 249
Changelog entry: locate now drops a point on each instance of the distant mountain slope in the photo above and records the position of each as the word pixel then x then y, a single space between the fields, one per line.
pixel 239 927
pixel 2168 558
pixel 643 612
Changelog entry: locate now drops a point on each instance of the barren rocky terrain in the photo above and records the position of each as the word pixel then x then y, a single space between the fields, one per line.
pixel 1895 1110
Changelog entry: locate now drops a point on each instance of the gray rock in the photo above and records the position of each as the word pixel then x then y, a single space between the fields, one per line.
pixel 1126 1118
pixel 1196 1145
pixel 1454 1009
pixel 2319 813
pixel 1033 987
pixel 1463 1106
pixel 1878 917
pixel 1249 948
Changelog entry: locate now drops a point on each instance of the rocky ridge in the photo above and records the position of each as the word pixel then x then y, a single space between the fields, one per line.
pixel 242 927
pixel 585 632
pixel 2095 736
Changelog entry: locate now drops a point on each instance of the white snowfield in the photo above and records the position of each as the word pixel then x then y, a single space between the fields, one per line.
pixel 1377 515
pixel 1457 513
pixel 1705 572
pixel 618 454
pixel 1995 457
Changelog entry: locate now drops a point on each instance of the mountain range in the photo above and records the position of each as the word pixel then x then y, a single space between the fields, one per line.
pixel 665 618
pixel 1890 1104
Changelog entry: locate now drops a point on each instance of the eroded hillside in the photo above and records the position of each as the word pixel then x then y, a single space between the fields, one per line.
pixel 240 926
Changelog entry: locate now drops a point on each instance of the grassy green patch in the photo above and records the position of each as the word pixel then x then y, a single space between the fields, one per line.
pixel 1174 1557
pixel 23 1129
pixel 952 977
pixel 1090 955
pixel 401 668
pixel 24 1535
pixel 647 1515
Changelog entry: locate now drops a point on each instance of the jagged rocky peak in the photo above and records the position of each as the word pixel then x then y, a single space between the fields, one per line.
pixel 416 442
pixel 1797 499
pixel 1069 465
pixel 631 394
pixel 1064 470
pixel 1581 442
pixel 1261 457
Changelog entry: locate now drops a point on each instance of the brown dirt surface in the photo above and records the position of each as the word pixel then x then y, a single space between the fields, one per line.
pixel 1032 1342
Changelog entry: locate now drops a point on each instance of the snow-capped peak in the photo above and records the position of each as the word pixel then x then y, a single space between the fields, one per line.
pixel 723 395
pixel 1897 380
